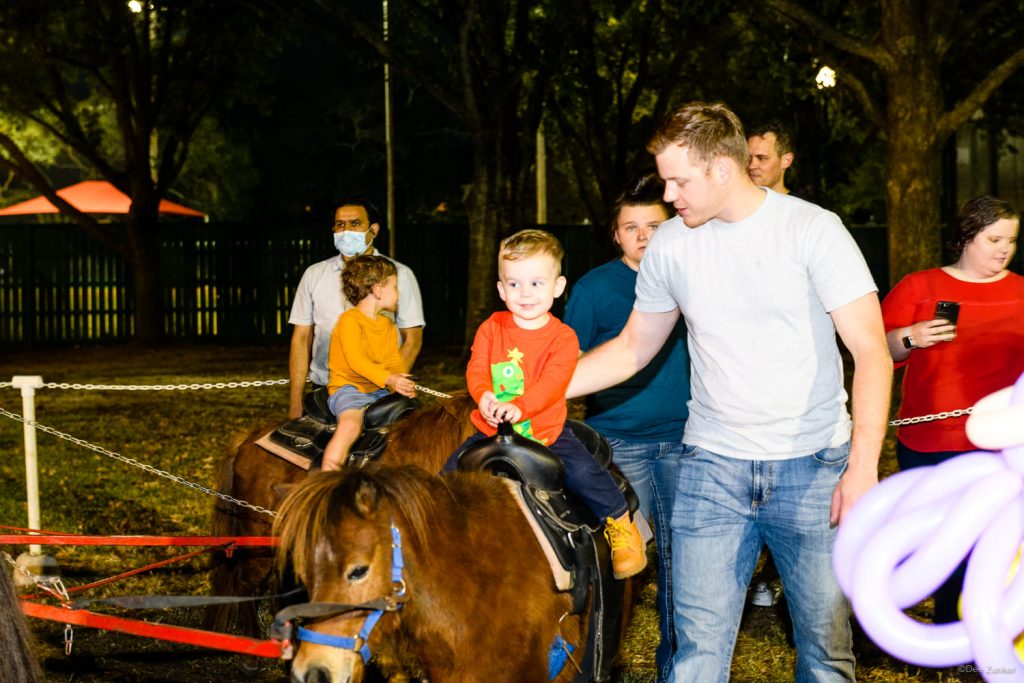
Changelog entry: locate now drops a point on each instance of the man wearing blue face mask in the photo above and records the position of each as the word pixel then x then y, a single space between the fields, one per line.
pixel 318 302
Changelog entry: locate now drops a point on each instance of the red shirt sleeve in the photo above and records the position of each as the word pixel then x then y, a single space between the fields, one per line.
pixel 899 307
pixel 478 372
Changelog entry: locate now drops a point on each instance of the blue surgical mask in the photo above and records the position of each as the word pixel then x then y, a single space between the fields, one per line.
pixel 350 243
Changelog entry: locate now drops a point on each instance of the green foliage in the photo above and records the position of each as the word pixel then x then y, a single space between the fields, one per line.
pixel 215 158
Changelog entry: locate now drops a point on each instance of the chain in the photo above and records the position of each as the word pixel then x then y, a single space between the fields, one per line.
pixel 51 584
pixel 163 387
pixel 930 418
pixel 432 392
pixel 4 385
pixel 55 587
pixel 135 463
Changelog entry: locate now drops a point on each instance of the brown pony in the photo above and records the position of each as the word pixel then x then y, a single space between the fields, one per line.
pixel 479 602
pixel 426 437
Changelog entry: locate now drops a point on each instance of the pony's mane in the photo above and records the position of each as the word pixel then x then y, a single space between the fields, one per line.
pixel 311 510
pixel 433 434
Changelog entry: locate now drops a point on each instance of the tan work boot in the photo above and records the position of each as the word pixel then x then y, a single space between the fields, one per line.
pixel 629 556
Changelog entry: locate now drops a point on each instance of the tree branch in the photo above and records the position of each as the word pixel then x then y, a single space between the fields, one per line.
pixel 959 115
pixel 968 24
pixel 845 42
pixel 872 109
pixel 21 166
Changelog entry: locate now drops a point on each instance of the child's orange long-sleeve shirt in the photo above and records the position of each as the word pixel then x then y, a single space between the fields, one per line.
pixel 363 352
pixel 528 368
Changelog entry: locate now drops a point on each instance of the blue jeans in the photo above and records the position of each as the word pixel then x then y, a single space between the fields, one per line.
pixel 725 510
pixel 651 470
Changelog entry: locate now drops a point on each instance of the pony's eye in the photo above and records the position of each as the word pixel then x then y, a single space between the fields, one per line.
pixel 358 573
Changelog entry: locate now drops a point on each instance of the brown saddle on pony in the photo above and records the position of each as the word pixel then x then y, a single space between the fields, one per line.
pixel 570 528
pixel 302 441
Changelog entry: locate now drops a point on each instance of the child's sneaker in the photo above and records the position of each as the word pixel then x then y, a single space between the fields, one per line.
pixel 628 553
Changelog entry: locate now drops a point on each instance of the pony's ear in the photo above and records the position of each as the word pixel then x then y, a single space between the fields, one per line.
pixel 367 497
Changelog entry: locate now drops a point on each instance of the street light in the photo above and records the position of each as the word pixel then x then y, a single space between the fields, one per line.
pixel 135 6
pixel 826 78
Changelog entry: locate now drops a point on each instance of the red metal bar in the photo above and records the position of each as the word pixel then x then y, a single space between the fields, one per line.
pixel 125 575
pixel 37 531
pixel 81 539
pixel 136 627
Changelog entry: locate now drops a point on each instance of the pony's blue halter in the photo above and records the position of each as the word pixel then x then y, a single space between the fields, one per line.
pixel 361 642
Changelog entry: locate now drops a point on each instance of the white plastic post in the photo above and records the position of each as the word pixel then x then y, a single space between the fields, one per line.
pixel 28 385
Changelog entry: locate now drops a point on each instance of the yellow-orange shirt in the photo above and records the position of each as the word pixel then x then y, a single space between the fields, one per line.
pixel 363 352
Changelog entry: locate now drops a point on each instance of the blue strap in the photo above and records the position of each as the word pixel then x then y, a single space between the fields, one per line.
pixel 345 642
pixel 557 656
pixel 397 561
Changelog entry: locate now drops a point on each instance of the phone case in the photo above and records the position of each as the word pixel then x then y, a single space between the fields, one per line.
pixel 947 310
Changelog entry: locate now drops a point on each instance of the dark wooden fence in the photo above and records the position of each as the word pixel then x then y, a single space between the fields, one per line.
pixel 230 282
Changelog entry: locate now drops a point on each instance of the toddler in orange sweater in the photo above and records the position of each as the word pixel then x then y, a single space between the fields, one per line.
pixel 363 359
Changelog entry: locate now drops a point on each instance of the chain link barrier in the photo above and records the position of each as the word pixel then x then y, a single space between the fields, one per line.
pixel 163 387
pixel 931 418
pixel 135 463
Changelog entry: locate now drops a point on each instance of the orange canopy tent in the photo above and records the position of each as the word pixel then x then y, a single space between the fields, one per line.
pixel 92 196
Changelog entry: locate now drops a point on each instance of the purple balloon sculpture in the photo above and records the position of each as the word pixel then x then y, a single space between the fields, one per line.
pixel 902 539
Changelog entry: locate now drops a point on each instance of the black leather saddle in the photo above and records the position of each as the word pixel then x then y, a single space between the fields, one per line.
pixel 308 435
pixel 574 533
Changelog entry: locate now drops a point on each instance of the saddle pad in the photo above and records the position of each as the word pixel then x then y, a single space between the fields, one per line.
pixel 563 579
pixel 268 444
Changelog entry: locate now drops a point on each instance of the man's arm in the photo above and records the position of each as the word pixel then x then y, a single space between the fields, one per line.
pixel 412 342
pixel 298 367
pixel 620 358
pixel 859 324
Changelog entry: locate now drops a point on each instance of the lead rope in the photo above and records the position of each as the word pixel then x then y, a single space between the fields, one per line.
pixel 432 392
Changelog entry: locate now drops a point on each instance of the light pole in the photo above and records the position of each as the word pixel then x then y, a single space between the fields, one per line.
pixel 388 146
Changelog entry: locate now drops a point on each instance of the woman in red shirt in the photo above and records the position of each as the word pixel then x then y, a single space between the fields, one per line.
pixel 949 366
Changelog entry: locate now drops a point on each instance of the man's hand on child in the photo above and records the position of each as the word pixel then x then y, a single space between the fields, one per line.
pixel 402 384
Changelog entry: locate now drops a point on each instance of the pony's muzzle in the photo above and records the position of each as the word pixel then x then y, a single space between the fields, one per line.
pixel 319 674
pixel 320 664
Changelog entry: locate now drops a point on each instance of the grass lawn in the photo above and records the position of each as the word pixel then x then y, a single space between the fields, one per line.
pixel 184 433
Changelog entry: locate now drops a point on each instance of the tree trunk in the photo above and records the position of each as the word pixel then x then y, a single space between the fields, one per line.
pixel 485 224
pixel 913 172
pixel 144 249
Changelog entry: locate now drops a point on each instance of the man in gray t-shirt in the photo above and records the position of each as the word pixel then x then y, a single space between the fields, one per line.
pixel 770 456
